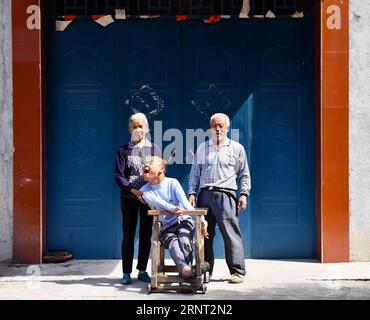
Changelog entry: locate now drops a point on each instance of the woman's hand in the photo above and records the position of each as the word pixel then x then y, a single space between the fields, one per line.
pixel 138 194
pixel 204 231
pixel 178 212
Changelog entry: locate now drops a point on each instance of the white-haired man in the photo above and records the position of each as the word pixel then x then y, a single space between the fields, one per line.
pixel 218 165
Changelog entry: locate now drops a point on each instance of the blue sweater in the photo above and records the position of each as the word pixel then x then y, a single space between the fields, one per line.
pixel 167 196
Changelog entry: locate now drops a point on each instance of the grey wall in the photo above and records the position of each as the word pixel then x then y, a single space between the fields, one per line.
pixel 359 150
pixel 6 133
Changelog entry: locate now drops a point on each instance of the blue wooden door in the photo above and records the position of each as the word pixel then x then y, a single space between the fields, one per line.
pixel 80 141
pixel 258 72
pixel 280 70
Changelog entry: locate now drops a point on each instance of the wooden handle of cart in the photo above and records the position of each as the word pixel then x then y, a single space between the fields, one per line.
pixel 196 212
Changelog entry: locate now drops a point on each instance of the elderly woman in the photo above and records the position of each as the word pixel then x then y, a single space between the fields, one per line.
pixel 129 177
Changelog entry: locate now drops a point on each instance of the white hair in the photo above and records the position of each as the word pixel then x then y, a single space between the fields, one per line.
pixel 138 116
pixel 217 115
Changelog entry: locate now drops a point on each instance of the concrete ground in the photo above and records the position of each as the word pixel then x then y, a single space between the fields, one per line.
pixel 266 279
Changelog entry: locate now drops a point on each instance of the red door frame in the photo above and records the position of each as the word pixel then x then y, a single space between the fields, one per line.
pixel 332 106
pixel 27 127
pixel 335 131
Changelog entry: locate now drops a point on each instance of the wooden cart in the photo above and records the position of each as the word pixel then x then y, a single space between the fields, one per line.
pixel 164 282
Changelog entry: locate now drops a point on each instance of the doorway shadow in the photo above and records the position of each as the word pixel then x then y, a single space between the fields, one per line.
pixel 136 286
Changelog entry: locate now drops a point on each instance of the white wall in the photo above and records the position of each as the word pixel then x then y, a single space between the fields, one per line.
pixel 359 130
pixel 6 133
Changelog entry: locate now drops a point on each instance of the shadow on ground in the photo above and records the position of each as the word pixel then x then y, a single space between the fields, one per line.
pixel 308 291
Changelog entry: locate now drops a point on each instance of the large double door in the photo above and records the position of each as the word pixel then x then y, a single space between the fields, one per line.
pixel 259 72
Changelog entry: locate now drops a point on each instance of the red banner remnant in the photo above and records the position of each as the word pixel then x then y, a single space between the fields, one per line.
pixel 181 18
pixel 69 18
pixel 213 19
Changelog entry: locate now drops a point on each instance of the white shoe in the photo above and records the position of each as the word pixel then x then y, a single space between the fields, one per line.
pixel 236 278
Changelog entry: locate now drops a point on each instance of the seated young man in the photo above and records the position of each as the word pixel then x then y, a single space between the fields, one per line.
pixel 176 231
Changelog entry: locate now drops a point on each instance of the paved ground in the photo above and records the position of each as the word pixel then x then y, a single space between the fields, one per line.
pixel 266 279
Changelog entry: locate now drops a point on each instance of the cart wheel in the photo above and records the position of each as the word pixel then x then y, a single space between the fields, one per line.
pixel 149 288
pixel 204 288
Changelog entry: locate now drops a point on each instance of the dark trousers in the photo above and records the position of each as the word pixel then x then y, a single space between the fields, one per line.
pixel 178 239
pixel 130 211
pixel 222 209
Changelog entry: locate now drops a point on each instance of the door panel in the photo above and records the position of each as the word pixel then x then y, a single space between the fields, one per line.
pixel 283 165
pixel 80 141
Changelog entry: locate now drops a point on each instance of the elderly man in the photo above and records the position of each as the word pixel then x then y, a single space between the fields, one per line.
pixel 217 166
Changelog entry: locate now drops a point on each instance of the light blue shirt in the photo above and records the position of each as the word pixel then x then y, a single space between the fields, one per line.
pixel 221 168
pixel 167 196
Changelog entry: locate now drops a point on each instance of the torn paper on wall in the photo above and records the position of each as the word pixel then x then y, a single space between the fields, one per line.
pixel 62 23
pixel 244 13
pixel 103 20
pixel 298 14
pixel 152 16
pixel 120 14
pixel 270 14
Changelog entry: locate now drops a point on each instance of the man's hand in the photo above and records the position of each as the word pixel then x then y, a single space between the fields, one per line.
pixel 192 200
pixel 138 194
pixel 242 204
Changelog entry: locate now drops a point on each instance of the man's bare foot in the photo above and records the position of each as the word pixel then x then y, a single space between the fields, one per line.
pixel 186 272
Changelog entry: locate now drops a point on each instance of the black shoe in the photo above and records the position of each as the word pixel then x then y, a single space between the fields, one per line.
pixel 126 279
pixel 143 276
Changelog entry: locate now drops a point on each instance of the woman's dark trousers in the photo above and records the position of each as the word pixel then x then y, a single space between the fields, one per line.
pixel 131 208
